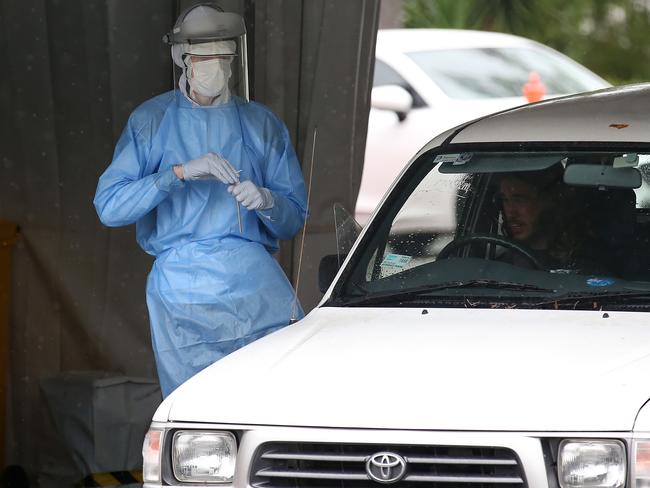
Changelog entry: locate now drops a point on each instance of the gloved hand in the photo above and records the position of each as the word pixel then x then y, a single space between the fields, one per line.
pixel 210 166
pixel 252 197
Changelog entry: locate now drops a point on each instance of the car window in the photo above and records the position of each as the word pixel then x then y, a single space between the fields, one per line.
pixel 501 72
pixel 511 226
pixel 643 193
pixel 385 75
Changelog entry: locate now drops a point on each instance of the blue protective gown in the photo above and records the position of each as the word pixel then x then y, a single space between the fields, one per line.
pixel 212 288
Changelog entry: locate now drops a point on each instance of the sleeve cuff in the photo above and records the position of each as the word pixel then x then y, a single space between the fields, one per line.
pixel 267 214
pixel 168 181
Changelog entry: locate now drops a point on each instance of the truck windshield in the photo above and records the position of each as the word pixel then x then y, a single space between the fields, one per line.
pixel 517 229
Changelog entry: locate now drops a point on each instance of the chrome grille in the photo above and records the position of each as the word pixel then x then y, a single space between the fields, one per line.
pixel 322 465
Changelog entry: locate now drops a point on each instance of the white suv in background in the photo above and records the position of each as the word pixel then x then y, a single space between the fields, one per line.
pixel 429 80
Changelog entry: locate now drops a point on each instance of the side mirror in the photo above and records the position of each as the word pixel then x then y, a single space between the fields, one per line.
pixel 394 98
pixel 329 266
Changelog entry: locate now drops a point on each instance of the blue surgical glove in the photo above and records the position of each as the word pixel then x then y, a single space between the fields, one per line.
pixel 252 197
pixel 209 167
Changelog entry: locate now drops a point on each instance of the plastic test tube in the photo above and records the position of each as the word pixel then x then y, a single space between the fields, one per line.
pixel 241 228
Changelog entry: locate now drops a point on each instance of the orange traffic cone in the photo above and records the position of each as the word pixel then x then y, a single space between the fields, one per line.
pixel 534 89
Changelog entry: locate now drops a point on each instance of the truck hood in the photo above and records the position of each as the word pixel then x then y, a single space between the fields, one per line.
pixel 441 369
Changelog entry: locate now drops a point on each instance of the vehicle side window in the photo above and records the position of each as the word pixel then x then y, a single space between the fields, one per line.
pixel 385 75
pixel 643 193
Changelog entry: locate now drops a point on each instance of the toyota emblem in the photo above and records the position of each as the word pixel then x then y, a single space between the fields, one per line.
pixel 386 467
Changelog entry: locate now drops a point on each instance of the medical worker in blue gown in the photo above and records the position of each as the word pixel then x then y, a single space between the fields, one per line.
pixel 187 164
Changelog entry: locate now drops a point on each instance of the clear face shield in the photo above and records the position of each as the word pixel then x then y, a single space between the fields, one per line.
pixel 208 48
pixel 211 74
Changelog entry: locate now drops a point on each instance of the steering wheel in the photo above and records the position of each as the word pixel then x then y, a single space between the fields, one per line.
pixel 490 239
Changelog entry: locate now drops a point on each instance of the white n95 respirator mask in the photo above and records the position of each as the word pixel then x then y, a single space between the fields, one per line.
pixel 208 78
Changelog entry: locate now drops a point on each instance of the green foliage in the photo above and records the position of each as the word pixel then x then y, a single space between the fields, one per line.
pixel 607 36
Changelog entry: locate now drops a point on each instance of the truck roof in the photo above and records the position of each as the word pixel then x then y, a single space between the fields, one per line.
pixel 617 114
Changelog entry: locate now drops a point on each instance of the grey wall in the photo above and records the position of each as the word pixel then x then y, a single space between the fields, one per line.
pixel 313 66
pixel 74 69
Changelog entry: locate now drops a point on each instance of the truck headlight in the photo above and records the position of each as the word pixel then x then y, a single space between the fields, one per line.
pixel 591 464
pixel 204 456
pixel 151 456
pixel 641 464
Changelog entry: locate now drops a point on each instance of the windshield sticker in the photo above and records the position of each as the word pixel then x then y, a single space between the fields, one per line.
pixel 598 282
pixel 462 159
pixel 455 159
pixel 395 262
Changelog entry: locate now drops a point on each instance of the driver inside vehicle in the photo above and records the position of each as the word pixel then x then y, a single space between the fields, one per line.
pixel 540 212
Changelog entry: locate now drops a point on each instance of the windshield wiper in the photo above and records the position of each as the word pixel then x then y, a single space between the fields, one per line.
pixel 597 297
pixel 427 290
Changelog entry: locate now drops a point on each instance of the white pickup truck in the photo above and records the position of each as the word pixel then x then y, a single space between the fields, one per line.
pixel 511 352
